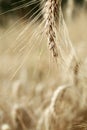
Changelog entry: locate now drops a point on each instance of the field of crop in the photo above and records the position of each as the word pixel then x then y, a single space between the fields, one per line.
pixel 30 78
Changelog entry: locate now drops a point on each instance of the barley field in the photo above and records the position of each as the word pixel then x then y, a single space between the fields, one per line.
pixel 43 67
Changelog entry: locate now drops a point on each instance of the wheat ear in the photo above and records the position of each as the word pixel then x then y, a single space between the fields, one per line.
pixel 50 14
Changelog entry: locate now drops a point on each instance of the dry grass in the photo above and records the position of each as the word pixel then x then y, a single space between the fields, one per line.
pixel 32 97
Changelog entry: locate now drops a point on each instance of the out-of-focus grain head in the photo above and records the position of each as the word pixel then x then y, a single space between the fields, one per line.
pixel 70 10
pixel 68 106
pixel 80 122
pixel 22 119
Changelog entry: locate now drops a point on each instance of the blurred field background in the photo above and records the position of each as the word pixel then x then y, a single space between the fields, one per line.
pixel 28 74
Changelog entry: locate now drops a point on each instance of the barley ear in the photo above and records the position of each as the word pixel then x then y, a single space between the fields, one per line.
pixel 50 16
